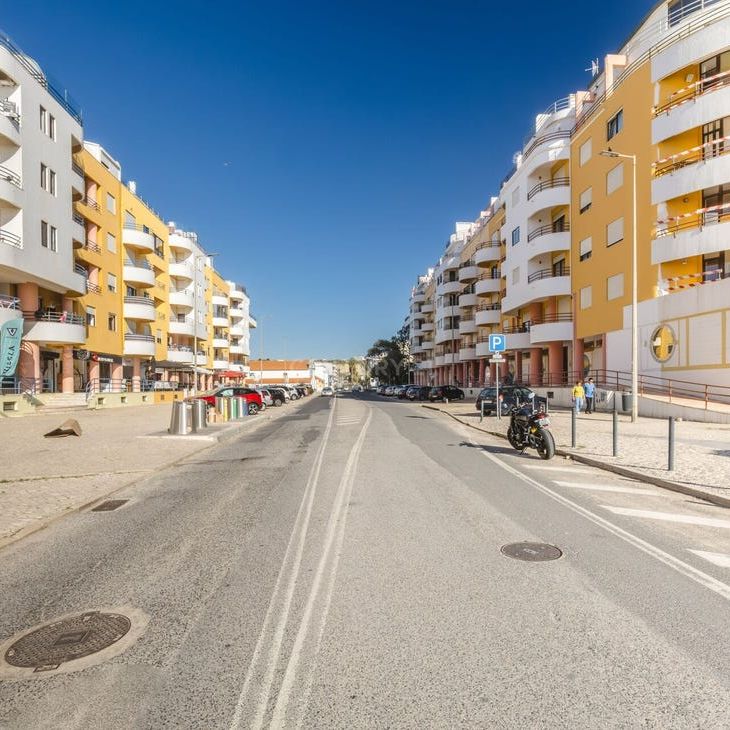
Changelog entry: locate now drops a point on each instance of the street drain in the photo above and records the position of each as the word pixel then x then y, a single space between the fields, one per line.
pixel 531 551
pixel 109 505
pixel 71 642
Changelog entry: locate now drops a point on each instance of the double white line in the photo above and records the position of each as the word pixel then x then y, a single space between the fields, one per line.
pixel 277 614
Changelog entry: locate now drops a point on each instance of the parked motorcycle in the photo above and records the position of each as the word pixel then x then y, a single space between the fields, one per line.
pixel 528 428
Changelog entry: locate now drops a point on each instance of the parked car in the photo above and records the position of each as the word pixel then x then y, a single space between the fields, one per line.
pixel 301 391
pixel 418 392
pixel 401 392
pixel 381 389
pixel 327 391
pixel 253 399
pixel 508 395
pixel 278 396
pixel 445 392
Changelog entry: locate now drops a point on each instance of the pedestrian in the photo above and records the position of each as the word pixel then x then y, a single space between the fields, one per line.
pixel 578 395
pixel 590 391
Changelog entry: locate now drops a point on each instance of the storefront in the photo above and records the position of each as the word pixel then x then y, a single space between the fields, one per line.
pixel 99 366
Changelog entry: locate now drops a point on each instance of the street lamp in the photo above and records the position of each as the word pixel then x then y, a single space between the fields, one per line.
pixel 634 292
pixel 197 257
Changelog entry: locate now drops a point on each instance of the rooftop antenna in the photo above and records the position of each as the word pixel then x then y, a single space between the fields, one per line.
pixel 594 69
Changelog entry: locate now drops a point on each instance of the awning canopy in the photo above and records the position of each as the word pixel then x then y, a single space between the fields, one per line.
pixel 232 374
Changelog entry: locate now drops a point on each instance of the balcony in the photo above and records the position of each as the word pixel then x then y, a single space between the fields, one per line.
pixel 139 308
pixel 702 232
pixel 139 237
pixel 62 328
pixel 552 328
pixel 221 365
pixel 487 284
pixel 236 350
pixel 139 345
pixel 220 300
pixel 548 239
pixel 182 298
pixel 547 283
pixel 185 326
pixel 427 308
pixel 427 345
pixel 446 335
pixel 236 330
pixel 517 338
pixel 182 270
pixel 10 121
pixel 427 327
pixel 221 343
pixel 469 272
pixel 78 179
pixel 425 365
pixel 418 316
pixel 487 253
pixel 138 272
pixel 549 194
pixel 468 300
pixel 219 321
pixel 694 169
pixel 452 263
pixel 418 298
pixel 438 361
pixel 696 104
pixel 467 326
pixel 9 308
pixel 11 191
pixel 416 331
pixel 182 242
pixel 488 315
pixel 546 150
pixel 467 353
pixel 237 293
pixel 449 287
pixel 183 355
pixel 10 239
pixel 236 313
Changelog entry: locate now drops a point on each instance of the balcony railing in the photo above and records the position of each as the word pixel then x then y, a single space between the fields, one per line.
pixel 10 109
pixel 488 244
pixel 707 151
pixel 696 219
pixel 538 141
pixel 7 302
pixel 489 275
pixel 547 229
pixel 548 274
pixel 550 318
pixel 692 91
pixel 558 182
pixel 82 270
pixel 687 281
pixel 141 264
pixel 489 307
pixel 77 168
pixel 139 300
pixel 90 203
pixel 93 288
pixel 11 239
pixel 516 329
pixel 138 338
pixel 91 246
pixel 60 317
pixel 78 218
pixel 7 174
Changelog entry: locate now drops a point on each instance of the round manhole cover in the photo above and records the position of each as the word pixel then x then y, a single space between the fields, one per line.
pixel 531 551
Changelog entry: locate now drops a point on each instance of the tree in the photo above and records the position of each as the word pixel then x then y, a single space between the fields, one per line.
pixel 391 359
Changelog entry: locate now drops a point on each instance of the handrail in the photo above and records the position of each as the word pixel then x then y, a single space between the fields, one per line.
pixel 137 227
pixel 139 300
pixel 699 218
pixel 550 318
pixel 139 338
pixel 10 109
pixel 79 269
pixel 77 168
pixel 541 140
pixel 78 218
pixel 8 302
pixel 91 246
pixel 10 238
pixel 558 182
pixel 489 307
pixel 94 288
pixel 547 274
pixel 692 156
pixel 12 177
pixel 142 264
pixel 547 229
pixel 692 91
pixel 60 317
pixel 488 244
pixel 489 275
pixel 90 203
pixel 516 329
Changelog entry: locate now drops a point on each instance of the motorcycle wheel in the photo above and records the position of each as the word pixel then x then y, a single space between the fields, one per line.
pixel 546 444
pixel 514 442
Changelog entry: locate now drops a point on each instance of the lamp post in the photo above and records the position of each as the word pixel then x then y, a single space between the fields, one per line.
pixel 197 257
pixel 634 291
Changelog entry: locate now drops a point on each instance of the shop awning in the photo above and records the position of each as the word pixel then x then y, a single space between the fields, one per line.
pixel 232 374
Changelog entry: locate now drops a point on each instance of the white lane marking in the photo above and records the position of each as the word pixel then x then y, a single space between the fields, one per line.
pixel 680 566
pixel 572 469
pixel 301 525
pixel 334 537
pixel 716 558
pixel 669 517
pixel 607 488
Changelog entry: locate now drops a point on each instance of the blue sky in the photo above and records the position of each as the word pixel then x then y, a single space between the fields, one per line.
pixel 323 149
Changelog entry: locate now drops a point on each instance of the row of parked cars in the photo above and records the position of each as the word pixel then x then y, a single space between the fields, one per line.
pixel 258 398
pixel 422 392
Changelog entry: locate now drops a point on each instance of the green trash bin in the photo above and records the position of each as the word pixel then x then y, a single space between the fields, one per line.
pixel 627 402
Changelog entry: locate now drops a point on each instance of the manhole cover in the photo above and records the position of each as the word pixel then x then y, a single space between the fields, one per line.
pixel 109 505
pixel 531 551
pixel 71 638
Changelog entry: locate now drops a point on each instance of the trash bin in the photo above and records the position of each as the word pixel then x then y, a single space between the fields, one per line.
pixel 234 409
pixel 200 414
pixel 627 402
pixel 180 418
pixel 242 406
pixel 221 406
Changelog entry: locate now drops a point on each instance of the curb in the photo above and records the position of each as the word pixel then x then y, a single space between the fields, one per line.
pixel 223 436
pixel 614 468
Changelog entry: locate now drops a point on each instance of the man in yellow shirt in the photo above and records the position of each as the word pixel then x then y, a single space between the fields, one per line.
pixel 579 395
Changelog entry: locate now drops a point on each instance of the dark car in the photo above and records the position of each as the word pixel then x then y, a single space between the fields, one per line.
pixel 445 392
pixel 253 399
pixel 401 392
pixel 418 392
pixel 508 395
pixel 278 396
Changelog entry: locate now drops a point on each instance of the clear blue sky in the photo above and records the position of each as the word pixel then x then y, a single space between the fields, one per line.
pixel 324 149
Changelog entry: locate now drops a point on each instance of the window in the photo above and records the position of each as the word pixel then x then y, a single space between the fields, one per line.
pixel 51 182
pixel 52 126
pixel 586 200
pixel 53 238
pixel 615 124
pixel 516 275
pixel 91 316
pixel 615 286
pixel 48 179
pixel 586 152
pixel 158 336
pixel 615 232
pixel 44 234
pixel 586 297
pixel 615 178
pixel 586 248
pixel 44 121
pixel 515 196
pixel 111 242
pixel 111 203
pixel 111 282
pixel 112 322
pixel 515 236
pixel 44 177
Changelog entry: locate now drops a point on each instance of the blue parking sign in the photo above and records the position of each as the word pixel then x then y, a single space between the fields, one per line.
pixel 497 343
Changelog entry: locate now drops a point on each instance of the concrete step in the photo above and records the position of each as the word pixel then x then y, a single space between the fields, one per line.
pixel 62 402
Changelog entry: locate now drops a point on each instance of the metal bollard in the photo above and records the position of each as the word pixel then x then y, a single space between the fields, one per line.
pixel 670 455
pixel 200 414
pixel 573 424
pixel 615 426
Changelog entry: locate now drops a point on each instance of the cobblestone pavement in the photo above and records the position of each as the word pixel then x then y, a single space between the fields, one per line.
pixel 42 478
pixel 702 452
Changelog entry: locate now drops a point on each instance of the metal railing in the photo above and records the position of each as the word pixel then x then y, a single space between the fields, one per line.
pixel 91 246
pixel 90 203
pixel 489 307
pixel 707 151
pixel 77 168
pixel 550 318
pixel 548 274
pixel 59 317
pixel 141 264
pixel 78 218
pixel 12 177
pixel 93 288
pixel 541 140
pixel 11 239
pixel 698 219
pixel 10 110
pixel 16 385
pixel 548 229
pixel 130 337
pixel 137 227
pixel 558 182
pixel 515 329
pixel 489 275
pixel 692 91
pixel 488 244
pixel 147 301
pixel 8 302
pixel 82 270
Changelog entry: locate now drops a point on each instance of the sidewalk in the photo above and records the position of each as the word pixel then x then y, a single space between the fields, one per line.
pixel 702 451
pixel 43 478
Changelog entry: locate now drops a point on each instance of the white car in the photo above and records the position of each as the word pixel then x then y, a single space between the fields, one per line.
pixel 327 391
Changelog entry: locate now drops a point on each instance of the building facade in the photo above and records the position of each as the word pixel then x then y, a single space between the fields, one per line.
pixel 549 262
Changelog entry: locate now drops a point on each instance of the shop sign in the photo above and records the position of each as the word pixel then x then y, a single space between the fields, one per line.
pixel 10 335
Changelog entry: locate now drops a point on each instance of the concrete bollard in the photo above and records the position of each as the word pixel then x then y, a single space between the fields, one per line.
pixel 670 450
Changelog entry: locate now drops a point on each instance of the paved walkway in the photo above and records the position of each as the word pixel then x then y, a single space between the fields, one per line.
pixel 702 452
pixel 42 478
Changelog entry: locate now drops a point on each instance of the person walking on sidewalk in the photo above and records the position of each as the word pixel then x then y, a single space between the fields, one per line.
pixel 578 395
pixel 590 391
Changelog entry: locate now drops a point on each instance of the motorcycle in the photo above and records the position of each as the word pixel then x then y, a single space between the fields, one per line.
pixel 528 428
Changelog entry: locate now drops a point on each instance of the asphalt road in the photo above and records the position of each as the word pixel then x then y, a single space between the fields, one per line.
pixel 341 567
